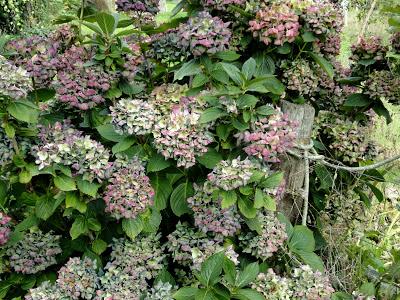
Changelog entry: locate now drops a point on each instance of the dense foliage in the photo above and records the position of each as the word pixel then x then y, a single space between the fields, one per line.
pixel 145 162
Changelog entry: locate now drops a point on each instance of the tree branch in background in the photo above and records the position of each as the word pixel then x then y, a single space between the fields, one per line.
pixel 366 21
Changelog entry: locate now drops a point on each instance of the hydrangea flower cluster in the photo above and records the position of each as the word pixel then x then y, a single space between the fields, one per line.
pixel 313 285
pixel 161 291
pixel 78 279
pixel 133 116
pixel 184 241
pixel 348 140
pixel 5 230
pixel 204 34
pixel 275 24
pixel 46 291
pixel 189 247
pixel 129 192
pixel 143 257
pixel 382 84
pixel 6 149
pixel 24 48
pixel 368 48
pixel 63 144
pixel 301 77
pixel 208 214
pixel 64 36
pixel 149 6
pixel 360 296
pixel 81 86
pixel 330 46
pixel 14 81
pixel 222 5
pixel 395 42
pixel 272 237
pixel 180 136
pixel 133 62
pixel 166 48
pixel 304 284
pixel 34 253
pixel 119 285
pixel 273 286
pixel 269 137
pixel 166 96
pixel 232 174
pixel 323 17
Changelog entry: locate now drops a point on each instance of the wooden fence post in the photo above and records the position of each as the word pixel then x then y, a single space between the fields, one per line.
pixel 294 168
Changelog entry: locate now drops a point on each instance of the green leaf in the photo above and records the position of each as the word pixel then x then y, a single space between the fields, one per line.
pixel 46 206
pixel 273 180
pixel 25 176
pixel 302 239
pixel 3 192
pixel 123 145
pixel 79 227
pixel 377 192
pixel 230 271
pixel 311 259
pixel 368 289
pixel 94 224
pixel 254 224
pixel 27 223
pixel 246 208
pixel 247 101
pixel 248 275
pixel 86 187
pixel 284 220
pixel 248 294
pixel 309 37
pixel 233 72
pixel 210 159
pixel 211 114
pixel 157 163
pixel 132 227
pixel 199 80
pixel 65 183
pixel 179 198
pixel 227 55
pixel 357 100
pixel 323 63
pixel 249 68
pixel 205 294
pixel 284 49
pixel 211 269
pixel 24 111
pixel 99 246
pixel 72 201
pixel 324 176
pixel 265 110
pixel 107 22
pixel 185 293
pixel 93 27
pixel 274 85
pixel 152 221
pixel 265 64
pixel 188 69
pixel 382 111
pixel 107 131
pixel 229 198
pixel 162 189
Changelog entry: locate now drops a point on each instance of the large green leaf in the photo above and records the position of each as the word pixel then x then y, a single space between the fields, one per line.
pixel 211 269
pixel 123 145
pixel 211 114
pixel 86 187
pixel 179 198
pixel 302 239
pixel 79 227
pixel 311 259
pixel 247 101
pixel 249 68
pixel 229 198
pixel 65 183
pixel 323 63
pixel 233 72
pixel 246 208
pixel 248 294
pixel 72 201
pixel 107 22
pixel 107 131
pixel 188 69
pixel 157 163
pixel 46 206
pixel 162 189
pixel 357 100
pixel 185 293
pixel 24 111
pixel 210 159
pixel 227 55
pixel 132 227
pixel 248 275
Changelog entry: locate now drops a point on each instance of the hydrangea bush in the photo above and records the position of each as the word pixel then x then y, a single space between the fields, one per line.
pixel 149 162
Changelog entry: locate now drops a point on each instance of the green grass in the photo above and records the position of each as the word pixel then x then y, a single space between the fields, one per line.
pixel 165 17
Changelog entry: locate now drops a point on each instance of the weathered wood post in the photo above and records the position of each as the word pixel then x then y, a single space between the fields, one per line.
pixel 105 5
pixel 294 168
